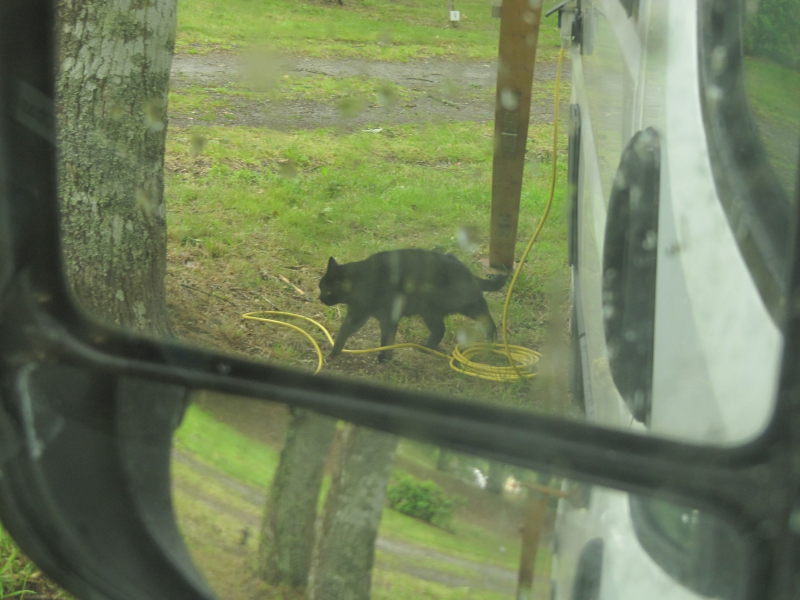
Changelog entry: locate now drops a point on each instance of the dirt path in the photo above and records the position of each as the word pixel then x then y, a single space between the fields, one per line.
pixel 438 91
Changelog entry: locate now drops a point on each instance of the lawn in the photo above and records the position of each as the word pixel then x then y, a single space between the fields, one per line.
pixel 378 29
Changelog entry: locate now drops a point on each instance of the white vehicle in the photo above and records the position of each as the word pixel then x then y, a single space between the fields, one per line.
pixel 682 185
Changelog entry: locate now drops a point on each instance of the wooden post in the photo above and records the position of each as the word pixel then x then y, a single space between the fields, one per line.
pixel 531 533
pixel 536 516
pixel 519 34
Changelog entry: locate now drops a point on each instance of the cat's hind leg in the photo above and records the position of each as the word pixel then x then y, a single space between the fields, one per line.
pixel 435 324
pixel 388 331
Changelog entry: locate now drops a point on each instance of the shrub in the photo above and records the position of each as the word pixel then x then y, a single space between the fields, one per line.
pixel 422 500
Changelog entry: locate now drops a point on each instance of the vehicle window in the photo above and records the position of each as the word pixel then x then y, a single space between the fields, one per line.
pixel 236 179
pixel 447 523
pixel 671 535
pixel 299 141
pixel 234 175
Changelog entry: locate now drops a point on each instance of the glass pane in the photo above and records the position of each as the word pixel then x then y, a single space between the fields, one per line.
pixel 347 163
pixel 273 501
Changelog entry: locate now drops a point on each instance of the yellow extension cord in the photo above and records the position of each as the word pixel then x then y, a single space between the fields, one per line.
pixel 521 361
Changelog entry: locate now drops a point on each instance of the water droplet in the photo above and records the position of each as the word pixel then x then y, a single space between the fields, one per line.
pixel 794 521
pixel 650 240
pixel 385 38
pixel 287 168
pixel 608 312
pixel 350 107
pixel 154 114
pixel 387 94
pixel 196 144
pixel 466 237
pixel 223 368
pixel 146 203
pixel 714 94
pixel 398 304
pixel 719 59
pixel 116 112
pixel 509 99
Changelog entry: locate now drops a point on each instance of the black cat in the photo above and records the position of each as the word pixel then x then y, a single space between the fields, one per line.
pixel 397 283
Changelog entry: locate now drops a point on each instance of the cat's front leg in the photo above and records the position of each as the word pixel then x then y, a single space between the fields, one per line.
pixel 353 321
pixel 388 331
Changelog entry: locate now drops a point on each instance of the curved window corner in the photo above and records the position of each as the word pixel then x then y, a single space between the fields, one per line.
pixel 629 271
pixel 692 546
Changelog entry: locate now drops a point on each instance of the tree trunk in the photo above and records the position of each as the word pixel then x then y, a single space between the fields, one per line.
pixel 112 86
pixel 345 548
pixel 287 530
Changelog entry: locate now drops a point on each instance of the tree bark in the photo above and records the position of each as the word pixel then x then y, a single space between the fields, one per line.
pixel 345 548
pixel 287 530
pixel 112 86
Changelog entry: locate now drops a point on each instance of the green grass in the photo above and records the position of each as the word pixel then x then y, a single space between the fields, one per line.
pixel 388 585
pixel 20 578
pixel 225 449
pixel 257 204
pixel 772 91
pixel 347 195
pixel 465 541
pixel 15 571
pixel 375 29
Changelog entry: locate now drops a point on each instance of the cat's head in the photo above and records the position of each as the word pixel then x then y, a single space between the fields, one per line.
pixel 335 286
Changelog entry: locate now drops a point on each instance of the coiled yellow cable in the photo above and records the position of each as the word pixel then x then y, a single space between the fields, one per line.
pixel 460 360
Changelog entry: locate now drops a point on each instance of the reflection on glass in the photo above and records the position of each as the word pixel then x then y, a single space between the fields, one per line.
pixel 772 81
pixel 275 502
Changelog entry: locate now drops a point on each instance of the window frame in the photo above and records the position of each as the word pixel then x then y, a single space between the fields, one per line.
pixel 41 324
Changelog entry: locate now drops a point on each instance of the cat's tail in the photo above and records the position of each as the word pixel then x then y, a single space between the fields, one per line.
pixel 494 283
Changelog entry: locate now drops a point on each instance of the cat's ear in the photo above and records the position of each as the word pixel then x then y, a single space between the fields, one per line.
pixel 332 264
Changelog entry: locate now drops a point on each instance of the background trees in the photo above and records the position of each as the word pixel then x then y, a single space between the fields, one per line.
pixel 771 31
